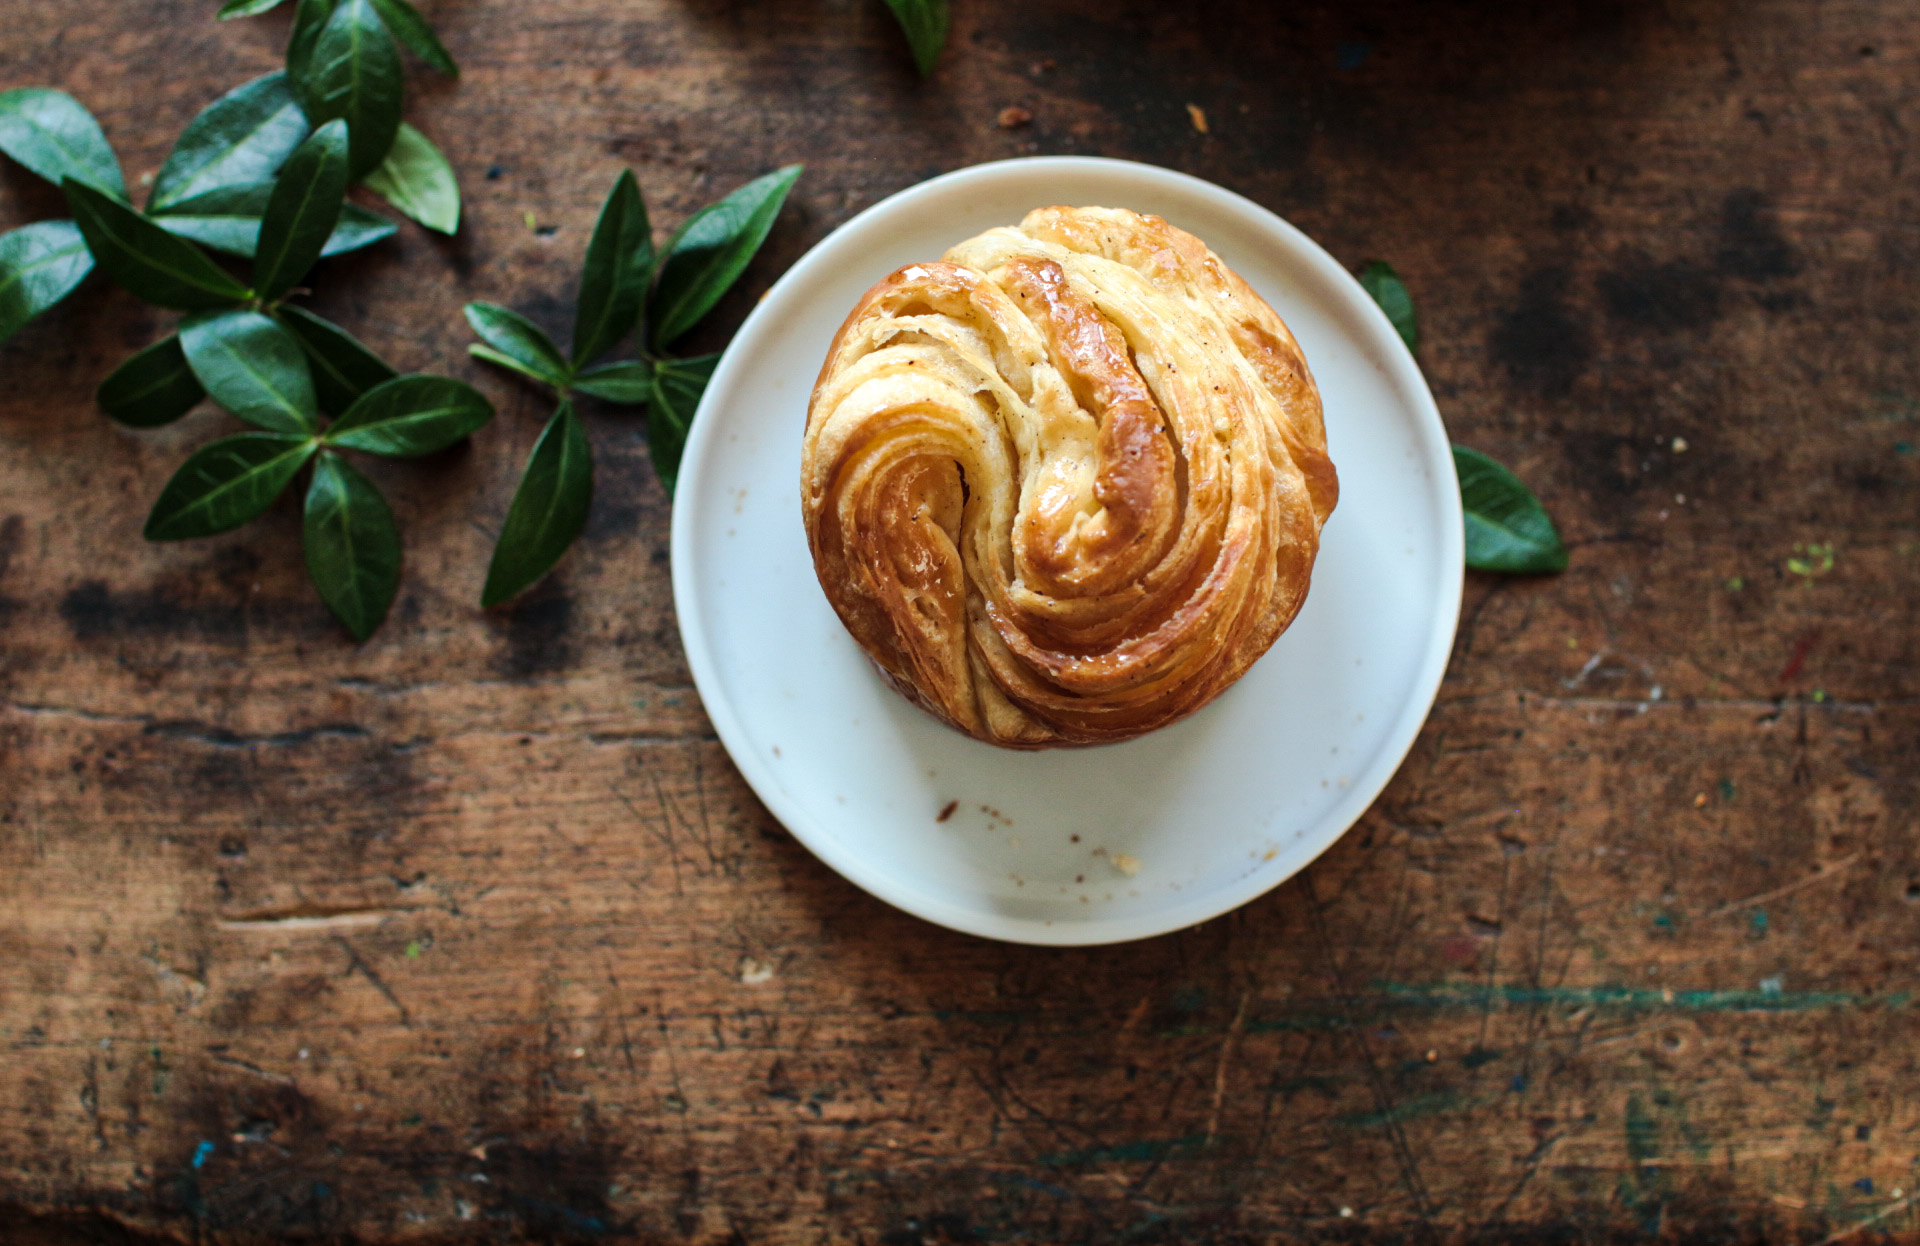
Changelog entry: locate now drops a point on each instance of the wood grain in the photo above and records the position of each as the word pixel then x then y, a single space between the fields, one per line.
pixel 473 934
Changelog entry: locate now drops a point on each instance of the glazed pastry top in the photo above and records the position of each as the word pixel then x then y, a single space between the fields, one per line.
pixel 1067 483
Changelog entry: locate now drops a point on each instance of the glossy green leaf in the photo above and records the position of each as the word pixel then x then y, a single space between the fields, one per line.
pixel 1507 528
pixel 711 251
pixel 926 23
pixel 146 259
pixel 302 211
pixel 630 382
pixel 410 416
pixel 353 545
pixel 40 264
pixel 417 179
pixel 309 20
pixel 154 387
pixel 227 483
pixel 516 343
pixel 254 367
pixel 1384 286
pixel 342 368
pixel 413 30
pixel 358 228
pixel 613 284
pixel 241 138
pixel 51 134
pixel 228 220
pixel 549 508
pixel 246 8
pixel 677 386
pixel 230 235
pixel 356 77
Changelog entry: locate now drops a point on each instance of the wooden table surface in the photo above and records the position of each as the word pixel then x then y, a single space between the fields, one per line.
pixel 474 934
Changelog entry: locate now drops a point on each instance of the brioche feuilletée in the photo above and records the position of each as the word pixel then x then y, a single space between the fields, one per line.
pixel 1065 484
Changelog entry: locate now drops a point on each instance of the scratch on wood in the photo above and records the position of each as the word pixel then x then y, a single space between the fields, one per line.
pixel 1869 1222
pixel 647 737
pixel 1383 1098
pixel 618 1001
pixel 279 1079
pixel 1820 877
pixel 662 832
pixel 1220 1067
pixel 355 964
pixel 1499 1213
pixel 307 918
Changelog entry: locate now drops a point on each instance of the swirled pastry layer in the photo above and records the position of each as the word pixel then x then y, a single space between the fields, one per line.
pixel 1066 484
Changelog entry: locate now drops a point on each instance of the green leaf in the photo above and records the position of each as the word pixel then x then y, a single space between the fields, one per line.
pixel 229 220
pixel 1507 528
pixel 146 259
pixel 155 387
pixel 613 284
pixel 417 179
pixel 51 134
pixel 353 545
pixel 356 77
pixel 358 228
pixel 226 219
pixel 517 343
pixel 630 383
pixel 549 508
pixel 1384 286
pixel 711 251
pixel 487 354
pixel 925 23
pixel 342 368
pixel 412 29
pixel 40 264
pixel 227 483
pixel 309 19
pixel 302 212
pixel 253 367
pixel 241 138
pixel 677 386
pixel 410 416
pixel 245 8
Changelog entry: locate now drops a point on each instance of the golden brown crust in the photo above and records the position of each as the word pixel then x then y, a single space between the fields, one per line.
pixel 1065 484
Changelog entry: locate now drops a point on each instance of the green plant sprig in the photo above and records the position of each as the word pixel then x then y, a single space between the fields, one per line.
pixel 261 174
pixel 282 370
pixel 343 63
pixel 623 283
pixel 1507 528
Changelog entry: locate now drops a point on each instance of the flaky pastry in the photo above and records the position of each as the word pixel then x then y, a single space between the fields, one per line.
pixel 1066 484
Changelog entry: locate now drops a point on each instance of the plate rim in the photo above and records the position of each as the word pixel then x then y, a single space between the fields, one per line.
pixel 734 738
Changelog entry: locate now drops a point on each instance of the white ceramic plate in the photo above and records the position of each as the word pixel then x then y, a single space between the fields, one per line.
pixel 1073 846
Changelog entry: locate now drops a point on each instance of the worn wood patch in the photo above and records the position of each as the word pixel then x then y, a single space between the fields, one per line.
pixel 473 934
